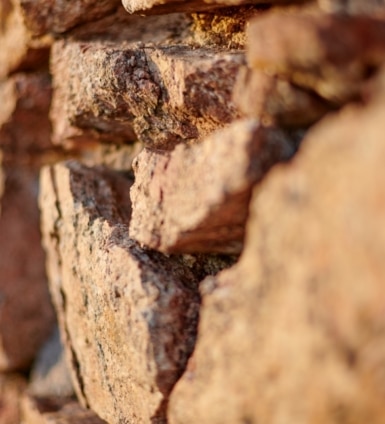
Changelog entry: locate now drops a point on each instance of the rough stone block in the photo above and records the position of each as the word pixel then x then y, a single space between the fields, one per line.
pixel 56 16
pixel 12 387
pixel 26 313
pixel 18 50
pixel 294 332
pixel 56 410
pixel 276 101
pixel 24 123
pixel 332 55
pixel 195 199
pixel 128 315
pixel 160 95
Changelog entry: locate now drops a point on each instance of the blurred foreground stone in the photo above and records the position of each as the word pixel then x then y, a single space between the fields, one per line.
pixel 294 332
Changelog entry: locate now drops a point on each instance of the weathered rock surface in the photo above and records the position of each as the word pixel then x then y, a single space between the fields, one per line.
pixel 195 199
pixel 170 6
pixel 128 315
pixel 159 95
pixel 276 101
pixel 331 55
pixel 294 332
pixel 19 51
pixel 51 410
pixel 55 16
pixel 11 389
pixel 24 123
pixel 25 301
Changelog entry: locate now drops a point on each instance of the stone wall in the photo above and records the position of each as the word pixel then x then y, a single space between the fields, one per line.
pixel 192 205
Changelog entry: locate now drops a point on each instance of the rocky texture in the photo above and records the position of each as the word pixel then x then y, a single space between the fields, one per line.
pixel 195 199
pixel 23 288
pixel 24 124
pixel 162 6
pixel 329 54
pixel 50 375
pixel 37 410
pixel 55 16
pixel 19 51
pixel 128 315
pixel 11 389
pixel 276 101
pixel 159 95
pixel 294 332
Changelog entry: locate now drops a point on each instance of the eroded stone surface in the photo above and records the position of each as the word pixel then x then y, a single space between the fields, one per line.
pixel 330 54
pixel 294 332
pixel 25 302
pixel 195 199
pixel 128 315
pixel 159 95
pixel 45 16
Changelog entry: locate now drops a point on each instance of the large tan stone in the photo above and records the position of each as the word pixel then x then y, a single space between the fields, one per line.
pixel 121 92
pixel 195 199
pixel 19 51
pixel 332 55
pixel 26 313
pixel 128 315
pixel 294 332
pixel 12 387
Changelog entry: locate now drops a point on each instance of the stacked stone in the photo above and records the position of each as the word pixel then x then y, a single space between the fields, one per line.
pixel 214 250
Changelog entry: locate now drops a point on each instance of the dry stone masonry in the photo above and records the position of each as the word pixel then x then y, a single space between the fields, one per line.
pixel 191 211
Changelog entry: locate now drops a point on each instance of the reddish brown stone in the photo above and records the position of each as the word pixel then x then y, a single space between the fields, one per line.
pixel 329 54
pixel 160 95
pixel 294 332
pixel 195 199
pixel 26 313
pixel 46 16
pixel 128 315
pixel 24 124
pixel 56 410
pixel 18 50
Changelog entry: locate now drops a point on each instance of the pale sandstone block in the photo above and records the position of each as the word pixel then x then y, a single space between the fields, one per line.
pixel 195 199
pixel 128 315
pixel 294 332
